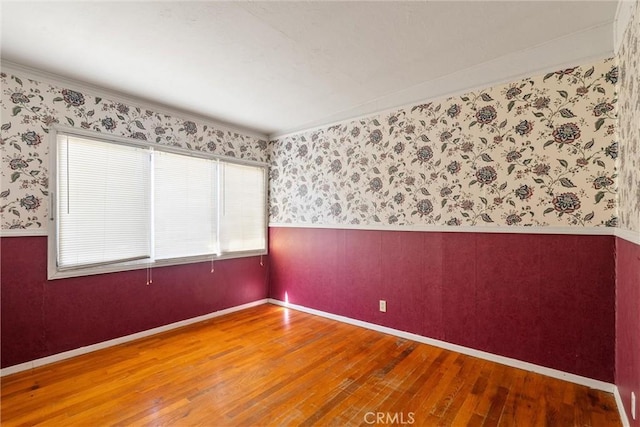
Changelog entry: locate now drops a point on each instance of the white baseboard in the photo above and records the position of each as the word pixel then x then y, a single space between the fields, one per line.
pixel 116 341
pixel 554 373
pixel 623 414
pixel 515 363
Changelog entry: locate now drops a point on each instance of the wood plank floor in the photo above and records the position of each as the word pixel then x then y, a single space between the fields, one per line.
pixel 273 366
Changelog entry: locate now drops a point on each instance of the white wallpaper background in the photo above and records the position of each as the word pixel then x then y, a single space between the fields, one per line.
pixel 537 152
pixel 29 108
pixel 629 125
pixel 541 151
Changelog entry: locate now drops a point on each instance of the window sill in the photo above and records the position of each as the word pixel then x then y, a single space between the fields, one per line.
pixel 54 273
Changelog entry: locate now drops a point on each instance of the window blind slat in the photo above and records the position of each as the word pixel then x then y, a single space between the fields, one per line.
pixel 184 206
pixel 119 203
pixel 243 219
pixel 103 202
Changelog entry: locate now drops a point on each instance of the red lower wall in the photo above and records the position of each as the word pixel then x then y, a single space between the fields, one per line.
pixel 40 318
pixel 544 299
pixel 628 325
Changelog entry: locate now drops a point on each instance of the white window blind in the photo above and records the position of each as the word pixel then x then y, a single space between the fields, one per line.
pixel 185 206
pixel 120 204
pixel 242 216
pixel 103 202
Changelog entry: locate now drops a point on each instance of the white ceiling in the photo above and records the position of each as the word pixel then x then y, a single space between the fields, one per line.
pixel 277 67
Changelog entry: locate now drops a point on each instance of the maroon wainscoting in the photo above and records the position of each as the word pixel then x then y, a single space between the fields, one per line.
pixel 628 324
pixel 41 318
pixel 544 299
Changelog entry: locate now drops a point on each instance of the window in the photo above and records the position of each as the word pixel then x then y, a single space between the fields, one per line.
pixel 119 204
pixel 185 194
pixel 240 227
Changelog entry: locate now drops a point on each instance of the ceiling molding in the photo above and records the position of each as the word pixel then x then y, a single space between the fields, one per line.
pixel 624 14
pixel 502 70
pixel 273 69
pixel 124 98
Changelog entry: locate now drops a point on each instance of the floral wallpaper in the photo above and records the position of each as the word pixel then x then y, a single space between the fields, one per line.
pixel 629 125
pixel 540 151
pixel 29 108
pixel 536 152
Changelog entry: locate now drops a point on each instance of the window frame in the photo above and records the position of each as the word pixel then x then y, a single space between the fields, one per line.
pixel 54 272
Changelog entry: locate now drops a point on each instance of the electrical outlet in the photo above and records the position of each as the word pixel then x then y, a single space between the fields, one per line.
pixel 633 405
pixel 383 306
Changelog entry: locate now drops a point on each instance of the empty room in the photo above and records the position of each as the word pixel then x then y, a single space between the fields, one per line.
pixel 329 213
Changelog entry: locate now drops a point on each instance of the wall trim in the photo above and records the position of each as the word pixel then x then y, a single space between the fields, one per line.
pixel 631 236
pixel 121 340
pixel 23 232
pixel 515 363
pixel 628 235
pixel 592 231
pixel 512 67
pixel 115 95
pixel 623 413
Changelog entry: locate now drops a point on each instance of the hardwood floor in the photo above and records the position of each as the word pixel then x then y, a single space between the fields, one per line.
pixel 273 366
